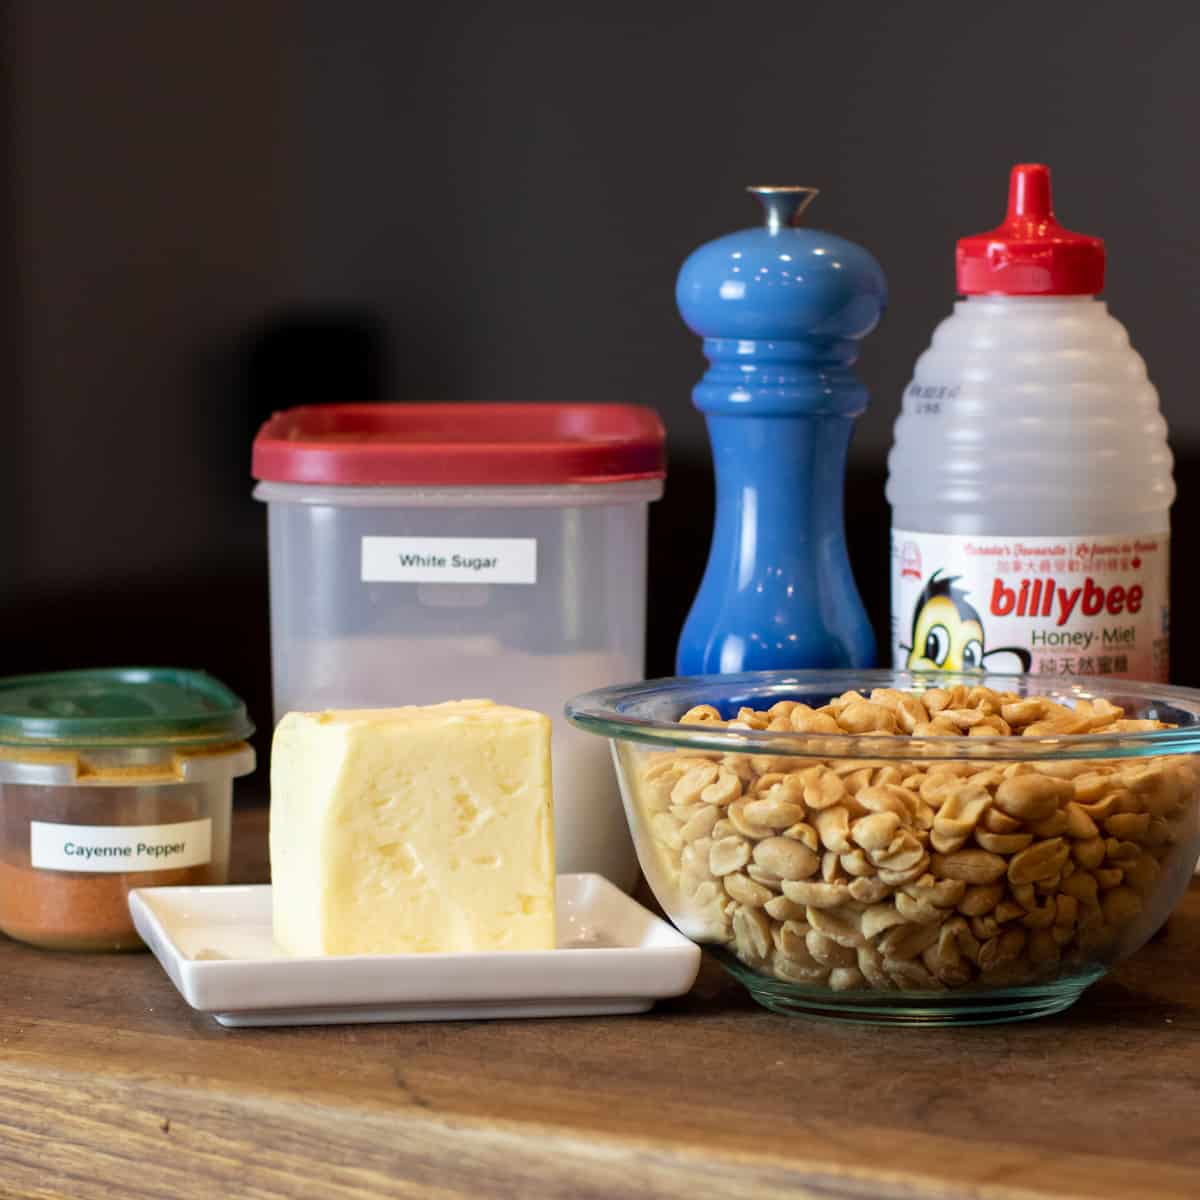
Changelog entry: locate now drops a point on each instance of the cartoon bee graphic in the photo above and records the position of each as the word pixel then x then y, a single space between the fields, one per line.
pixel 947 633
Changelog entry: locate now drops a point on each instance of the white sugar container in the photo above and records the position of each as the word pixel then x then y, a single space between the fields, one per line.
pixel 430 552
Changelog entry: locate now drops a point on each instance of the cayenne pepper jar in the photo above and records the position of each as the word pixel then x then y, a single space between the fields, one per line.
pixel 111 780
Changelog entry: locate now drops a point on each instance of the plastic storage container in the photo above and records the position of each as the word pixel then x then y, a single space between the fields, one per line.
pixel 1030 480
pixel 429 552
pixel 111 780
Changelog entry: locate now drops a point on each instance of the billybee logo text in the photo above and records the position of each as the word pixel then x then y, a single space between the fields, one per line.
pixel 1046 598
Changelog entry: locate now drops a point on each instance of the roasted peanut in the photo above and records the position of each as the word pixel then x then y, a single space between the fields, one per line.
pixel 1004 947
pixel 971 866
pixel 774 812
pixel 920 912
pixel 1089 854
pixel 805 834
pixel 666 831
pixel 897 877
pixel 937 727
pixel 728 855
pixel 844 979
pixel 793 972
pixel 1019 713
pixel 1079 824
pixel 1002 843
pixel 702 714
pixel 700 825
pixel 752 934
pixel 736 814
pixel 876 831
pixel 945 961
pixel 959 814
pixel 1082 887
pixel 767 878
pixel 1039 861
pixel 726 787
pixel 861 716
pixel 791 938
pixel 1032 797
pixel 903 853
pixel 816 895
pixel 1055 825
pixel 755 720
pixel 880 917
pixel 907 941
pixel 856 863
pixel 842 925
pixel 833 828
pixel 783 909
pixel 786 858
pixel 1128 825
pixel 831 867
pixel 869 891
pixel 911 976
pixel 1008 910
pixel 825 791
pixel 994 821
pixel 806 720
pixel 886 798
pixel 870 964
pixel 744 890
pixel 828 952
pixel 944 893
pixel 910 713
pixel 1040 916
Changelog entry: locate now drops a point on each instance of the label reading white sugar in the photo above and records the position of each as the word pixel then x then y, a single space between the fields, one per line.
pixel 449 560
pixel 1094 604
pixel 116 848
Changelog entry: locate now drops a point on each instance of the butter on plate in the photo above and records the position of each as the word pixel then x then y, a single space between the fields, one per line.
pixel 402 830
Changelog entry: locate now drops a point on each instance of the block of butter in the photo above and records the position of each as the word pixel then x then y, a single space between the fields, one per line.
pixel 407 830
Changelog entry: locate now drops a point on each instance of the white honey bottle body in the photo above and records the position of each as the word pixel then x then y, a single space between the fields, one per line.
pixel 1030 479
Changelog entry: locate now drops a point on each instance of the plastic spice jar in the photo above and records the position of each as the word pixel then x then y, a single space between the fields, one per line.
pixel 427 552
pixel 111 780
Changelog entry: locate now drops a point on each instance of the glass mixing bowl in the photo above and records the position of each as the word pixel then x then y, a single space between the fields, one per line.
pixel 882 860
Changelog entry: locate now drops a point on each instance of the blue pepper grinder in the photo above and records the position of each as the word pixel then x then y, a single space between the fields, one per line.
pixel 781 310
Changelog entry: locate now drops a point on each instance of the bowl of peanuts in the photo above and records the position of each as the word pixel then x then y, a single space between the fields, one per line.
pixel 903 848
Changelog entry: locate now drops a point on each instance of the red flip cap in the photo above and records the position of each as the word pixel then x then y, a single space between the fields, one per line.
pixel 1031 254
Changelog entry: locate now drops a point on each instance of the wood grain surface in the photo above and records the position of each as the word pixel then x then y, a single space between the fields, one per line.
pixel 111 1086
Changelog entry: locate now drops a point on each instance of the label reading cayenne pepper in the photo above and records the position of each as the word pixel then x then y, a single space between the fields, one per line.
pixel 1080 606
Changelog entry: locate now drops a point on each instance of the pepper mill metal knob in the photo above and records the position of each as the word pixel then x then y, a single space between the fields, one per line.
pixel 781 310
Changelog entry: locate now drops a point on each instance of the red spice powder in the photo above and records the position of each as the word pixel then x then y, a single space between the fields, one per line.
pixel 69 910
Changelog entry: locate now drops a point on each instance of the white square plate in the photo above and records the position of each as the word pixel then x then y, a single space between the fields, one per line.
pixel 215 943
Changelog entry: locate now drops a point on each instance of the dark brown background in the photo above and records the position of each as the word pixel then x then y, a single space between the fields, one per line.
pixel 211 210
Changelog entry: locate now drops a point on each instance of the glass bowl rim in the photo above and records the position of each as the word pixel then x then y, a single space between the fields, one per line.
pixel 597 712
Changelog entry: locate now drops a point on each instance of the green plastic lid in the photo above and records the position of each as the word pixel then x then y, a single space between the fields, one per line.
pixel 120 706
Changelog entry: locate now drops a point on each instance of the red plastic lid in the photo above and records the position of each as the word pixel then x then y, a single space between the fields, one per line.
pixel 460 444
pixel 1031 254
